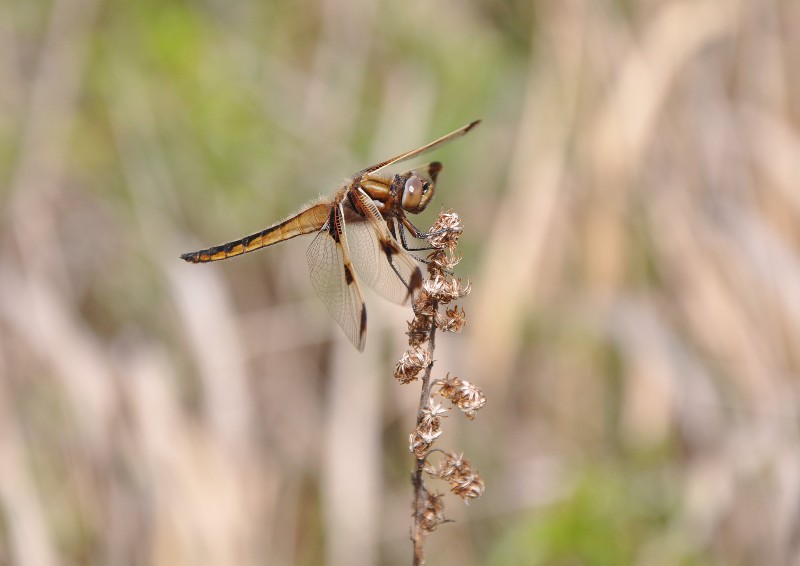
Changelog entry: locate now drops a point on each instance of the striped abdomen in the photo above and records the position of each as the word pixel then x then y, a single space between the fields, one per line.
pixel 309 220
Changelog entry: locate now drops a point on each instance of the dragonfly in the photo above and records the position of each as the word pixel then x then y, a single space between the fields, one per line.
pixel 357 237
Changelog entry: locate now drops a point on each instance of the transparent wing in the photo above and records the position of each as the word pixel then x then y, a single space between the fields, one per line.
pixel 424 149
pixel 380 261
pixel 334 280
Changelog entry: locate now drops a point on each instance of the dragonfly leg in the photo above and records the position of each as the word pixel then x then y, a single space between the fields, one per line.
pixel 415 232
pixel 393 231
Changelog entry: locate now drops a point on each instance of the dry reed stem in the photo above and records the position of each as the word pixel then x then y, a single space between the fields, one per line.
pixel 438 290
pixel 417 479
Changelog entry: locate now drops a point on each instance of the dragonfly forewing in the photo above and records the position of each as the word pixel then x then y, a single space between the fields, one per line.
pixel 424 149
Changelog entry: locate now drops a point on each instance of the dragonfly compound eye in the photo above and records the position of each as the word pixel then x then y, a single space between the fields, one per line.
pixel 412 193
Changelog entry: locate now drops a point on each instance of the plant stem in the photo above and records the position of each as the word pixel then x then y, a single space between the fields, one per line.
pixel 417 479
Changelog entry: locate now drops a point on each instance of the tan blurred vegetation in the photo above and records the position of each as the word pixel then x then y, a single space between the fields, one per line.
pixel 631 202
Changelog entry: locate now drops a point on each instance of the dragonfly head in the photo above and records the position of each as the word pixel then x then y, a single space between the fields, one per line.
pixel 418 189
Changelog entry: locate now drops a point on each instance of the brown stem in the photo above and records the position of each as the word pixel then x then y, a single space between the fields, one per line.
pixel 417 479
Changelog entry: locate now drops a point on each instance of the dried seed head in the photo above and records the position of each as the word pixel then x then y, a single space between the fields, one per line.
pixel 457 290
pixel 436 286
pixel 446 467
pixel 448 385
pixel 432 413
pixel 467 396
pixel 457 471
pixel 421 440
pixel 428 429
pixel 442 261
pixel 411 363
pixel 452 321
pixel 424 304
pixel 470 399
pixel 419 331
pixel 433 515
pixel 468 487
pixel 446 230
pixel 444 288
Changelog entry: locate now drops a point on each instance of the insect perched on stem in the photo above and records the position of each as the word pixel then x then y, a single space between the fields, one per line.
pixel 357 227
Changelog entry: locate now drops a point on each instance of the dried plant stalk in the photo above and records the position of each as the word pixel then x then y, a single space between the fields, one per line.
pixel 438 291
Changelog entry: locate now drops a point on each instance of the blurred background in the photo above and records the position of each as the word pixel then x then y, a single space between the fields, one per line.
pixel 631 206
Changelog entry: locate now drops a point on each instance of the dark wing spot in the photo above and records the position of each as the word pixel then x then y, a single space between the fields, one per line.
pixel 433 170
pixel 472 125
pixel 348 274
pixel 389 248
pixel 363 330
pixel 332 225
pixel 415 283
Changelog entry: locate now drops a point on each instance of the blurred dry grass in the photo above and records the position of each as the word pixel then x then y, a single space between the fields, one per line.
pixel 632 204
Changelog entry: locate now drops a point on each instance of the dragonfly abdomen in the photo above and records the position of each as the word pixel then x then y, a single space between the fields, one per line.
pixel 308 221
